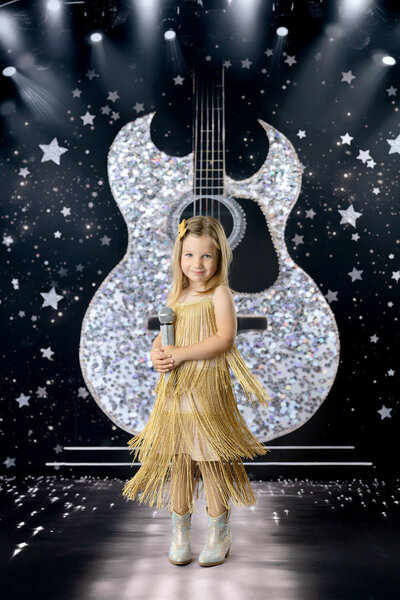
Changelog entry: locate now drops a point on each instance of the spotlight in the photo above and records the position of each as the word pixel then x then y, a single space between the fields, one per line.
pixel 388 60
pixel 9 71
pixel 96 37
pixel 53 5
pixel 170 35
pixel 282 31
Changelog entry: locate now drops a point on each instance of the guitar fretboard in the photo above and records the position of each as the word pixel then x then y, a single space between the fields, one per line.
pixel 208 129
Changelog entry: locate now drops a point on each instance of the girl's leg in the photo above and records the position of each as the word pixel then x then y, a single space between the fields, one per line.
pixel 182 484
pixel 213 483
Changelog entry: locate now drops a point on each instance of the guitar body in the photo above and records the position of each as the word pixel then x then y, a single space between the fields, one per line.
pixel 295 358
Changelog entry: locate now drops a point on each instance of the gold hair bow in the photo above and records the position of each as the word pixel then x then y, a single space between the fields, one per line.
pixel 181 229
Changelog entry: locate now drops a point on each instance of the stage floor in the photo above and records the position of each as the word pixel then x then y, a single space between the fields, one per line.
pixel 79 539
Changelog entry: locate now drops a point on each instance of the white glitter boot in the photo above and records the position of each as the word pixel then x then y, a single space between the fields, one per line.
pixel 180 550
pixel 219 540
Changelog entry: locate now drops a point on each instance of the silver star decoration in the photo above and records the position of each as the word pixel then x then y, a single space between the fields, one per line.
pixel 58 449
pixel 87 118
pixel 76 93
pixel 65 211
pixel 7 240
pixel 349 216
pixel 384 412
pixel 246 63
pixel 82 392
pixel 92 73
pixel 355 274
pixel 374 338
pixel 113 96
pixel 347 76
pixel 395 275
pixel 346 139
pixel 394 145
pixel 47 352
pixel 310 214
pixel 41 392
pixel 51 298
pixel 269 52
pixel 105 240
pixel 139 107
pixel 227 64
pixel 52 151
pixel 9 462
pixel 178 80
pixel 298 239
pixel 391 91
pixel 290 60
pixel 23 400
pixel 331 296
pixel 364 156
pixel 105 110
pixel 24 172
pixel 301 133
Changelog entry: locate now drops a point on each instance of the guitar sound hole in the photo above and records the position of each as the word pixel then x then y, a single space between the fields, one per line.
pixel 210 207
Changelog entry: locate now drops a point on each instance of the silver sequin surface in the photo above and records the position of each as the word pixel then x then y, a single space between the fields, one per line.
pixel 295 358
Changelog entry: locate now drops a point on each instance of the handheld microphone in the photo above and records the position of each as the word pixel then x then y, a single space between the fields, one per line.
pixel 166 316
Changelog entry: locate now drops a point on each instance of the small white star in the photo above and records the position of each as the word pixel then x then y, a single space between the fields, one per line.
pixel 105 241
pixel 391 91
pixel 65 211
pixel 23 172
pixel 227 64
pixel 394 145
pixel 349 216
pixel 269 52
pixel 52 151
pixel 113 96
pixel 9 462
pixel 22 400
pixel 331 296
pixel 298 239
pixel 376 191
pixel 374 338
pixel 347 76
pixel 346 139
pixel 310 214
pixel 57 235
pixel 355 274
pixel 301 133
pixel 76 93
pixel 51 298
pixel 92 73
pixel 385 412
pixel 139 107
pixel 47 352
pixel 178 80
pixel 105 110
pixel 82 392
pixel 290 60
pixel 396 275
pixel 7 240
pixel 87 118
pixel 364 156
pixel 246 63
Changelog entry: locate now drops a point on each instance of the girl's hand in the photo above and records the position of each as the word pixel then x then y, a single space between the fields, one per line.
pixel 161 361
pixel 176 353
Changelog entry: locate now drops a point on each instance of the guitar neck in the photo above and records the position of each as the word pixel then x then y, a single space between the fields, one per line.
pixel 208 129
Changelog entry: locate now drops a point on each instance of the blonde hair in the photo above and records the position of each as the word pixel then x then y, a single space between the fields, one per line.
pixel 211 227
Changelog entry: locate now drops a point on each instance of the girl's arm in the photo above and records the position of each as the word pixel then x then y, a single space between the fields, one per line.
pixel 223 340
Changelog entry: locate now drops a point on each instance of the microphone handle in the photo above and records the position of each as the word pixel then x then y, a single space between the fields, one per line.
pixel 167 337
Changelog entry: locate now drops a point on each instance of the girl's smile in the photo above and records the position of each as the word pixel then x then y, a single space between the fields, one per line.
pixel 199 259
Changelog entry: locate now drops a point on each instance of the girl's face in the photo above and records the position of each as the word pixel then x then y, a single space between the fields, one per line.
pixel 199 259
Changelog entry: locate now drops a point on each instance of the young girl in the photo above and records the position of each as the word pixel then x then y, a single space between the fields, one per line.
pixel 195 427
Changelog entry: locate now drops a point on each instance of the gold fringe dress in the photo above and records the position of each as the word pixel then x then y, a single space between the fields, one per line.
pixel 195 419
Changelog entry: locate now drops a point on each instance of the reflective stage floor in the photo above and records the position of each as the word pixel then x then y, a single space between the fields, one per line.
pixel 79 539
